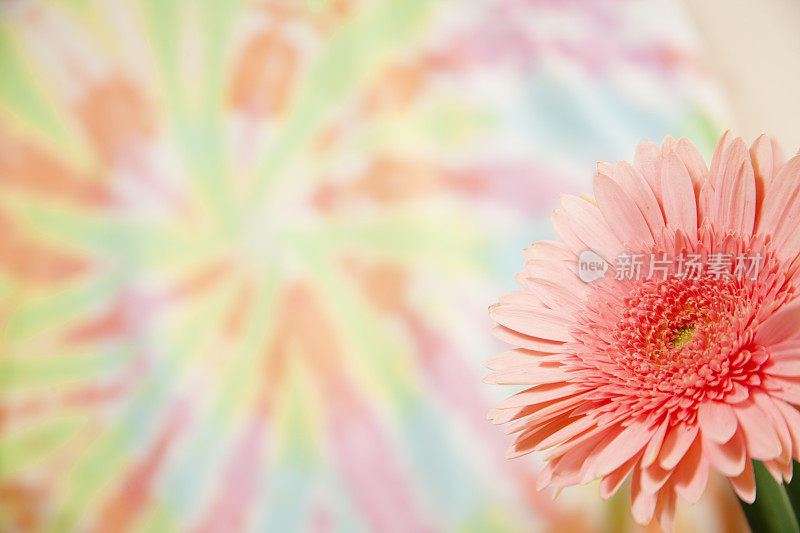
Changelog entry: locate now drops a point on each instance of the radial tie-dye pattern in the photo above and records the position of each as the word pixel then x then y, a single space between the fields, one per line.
pixel 246 250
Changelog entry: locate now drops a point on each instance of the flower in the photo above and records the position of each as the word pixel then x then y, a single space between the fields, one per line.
pixel 685 354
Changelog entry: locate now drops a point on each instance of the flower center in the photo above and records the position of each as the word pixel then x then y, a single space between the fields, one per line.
pixel 666 344
pixel 683 336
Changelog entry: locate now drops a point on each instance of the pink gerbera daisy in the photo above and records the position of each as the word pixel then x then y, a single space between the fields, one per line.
pixel 659 336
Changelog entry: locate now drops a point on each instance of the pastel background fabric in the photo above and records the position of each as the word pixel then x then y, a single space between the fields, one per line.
pixel 246 251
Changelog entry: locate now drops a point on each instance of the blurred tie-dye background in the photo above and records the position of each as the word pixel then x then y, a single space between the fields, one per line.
pixel 246 250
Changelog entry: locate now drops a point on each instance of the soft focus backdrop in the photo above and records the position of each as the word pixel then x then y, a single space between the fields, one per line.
pixel 246 251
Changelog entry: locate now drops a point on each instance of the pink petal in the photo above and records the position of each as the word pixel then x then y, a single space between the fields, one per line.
pixel 532 375
pixel 535 322
pixel 642 195
pixel 558 272
pixel 788 239
pixel 745 484
pixel 728 458
pixel 653 477
pixel 654 446
pixel 783 367
pixel 774 470
pixel 718 421
pixel 735 154
pixel 665 509
pixel 715 171
pixel 613 481
pixel 531 439
pixel 546 475
pixel 647 160
pixel 787 350
pixel 514 359
pixel 693 161
pixel 778 156
pixel 607 169
pixel 759 435
pixel 732 162
pixel 743 200
pixel 621 213
pixel 552 294
pixel 668 145
pixel 565 232
pixel 691 474
pixel 548 250
pixel 521 297
pixel 782 326
pixel 677 196
pixel 643 504
pixel 575 427
pixel 761 156
pixel 596 434
pixel 588 225
pixel 571 465
pixel 707 205
pixel 764 169
pixel 787 389
pixel 527 441
pixel 792 417
pixel 676 443
pixel 539 393
pixel 500 415
pixel 617 450
pixel 782 201
pixel 516 338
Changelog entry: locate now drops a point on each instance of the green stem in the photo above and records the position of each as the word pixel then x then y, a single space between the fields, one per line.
pixel 772 511
pixel 793 489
